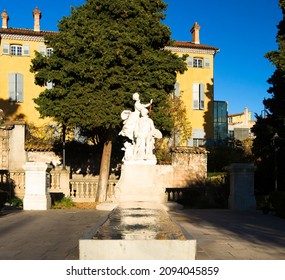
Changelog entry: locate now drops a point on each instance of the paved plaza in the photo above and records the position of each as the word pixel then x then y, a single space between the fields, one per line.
pixel 220 234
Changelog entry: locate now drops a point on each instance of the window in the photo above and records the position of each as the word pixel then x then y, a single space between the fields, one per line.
pixel 198 96
pixel 49 51
pixel 43 50
pixel 49 85
pixel 197 142
pixel 176 90
pixel 16 50
pixel 16 87
pixel 198 62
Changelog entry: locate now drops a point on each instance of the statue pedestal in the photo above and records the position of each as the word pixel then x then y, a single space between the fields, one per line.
pixel 140 182
pixel 37 196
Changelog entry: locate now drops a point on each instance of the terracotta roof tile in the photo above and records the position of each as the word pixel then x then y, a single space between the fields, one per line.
pixel 184 44
pixel 23 31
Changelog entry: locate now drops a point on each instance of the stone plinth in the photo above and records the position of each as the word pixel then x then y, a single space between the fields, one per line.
pixel 36 196
pixel 242 187
pixel 143 182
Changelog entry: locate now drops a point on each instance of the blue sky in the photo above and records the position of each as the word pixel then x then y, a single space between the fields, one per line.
pixel 243 30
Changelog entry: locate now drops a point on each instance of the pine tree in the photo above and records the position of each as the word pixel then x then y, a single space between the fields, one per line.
pixel 274 120
pixel 104 52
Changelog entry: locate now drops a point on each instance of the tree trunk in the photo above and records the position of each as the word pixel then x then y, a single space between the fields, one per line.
pixel 104 171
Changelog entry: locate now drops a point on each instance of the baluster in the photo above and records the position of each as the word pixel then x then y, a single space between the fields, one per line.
pixel 71 189
pixel 82 194
pixel 171 196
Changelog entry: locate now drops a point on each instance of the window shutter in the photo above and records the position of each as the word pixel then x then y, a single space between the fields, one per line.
pixel 49 85
pixel 196 96
pixel 176 90
pixel 26 50
pixel 5 48
pixel 202 96
pixel 20 88
pixel 42 50
pixel 207 62
pixel 190 61
pixel 12 87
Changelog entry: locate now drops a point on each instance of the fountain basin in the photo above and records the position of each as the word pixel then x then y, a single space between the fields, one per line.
pixel 137 231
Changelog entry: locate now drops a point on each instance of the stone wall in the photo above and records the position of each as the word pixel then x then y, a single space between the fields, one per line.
pixel 189 165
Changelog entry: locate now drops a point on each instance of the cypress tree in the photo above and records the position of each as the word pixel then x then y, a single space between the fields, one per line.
pixel 104 52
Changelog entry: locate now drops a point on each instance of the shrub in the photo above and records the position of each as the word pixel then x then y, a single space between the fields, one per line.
pixel 65 202
pixel 3 198
pixel 16 202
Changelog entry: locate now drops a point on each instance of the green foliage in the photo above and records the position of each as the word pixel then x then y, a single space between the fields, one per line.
pixel 220 157
pixel 273 123
pixel 182 126
pixel 16 202
pixel 103 53
pixel 65 202
pixel 43 136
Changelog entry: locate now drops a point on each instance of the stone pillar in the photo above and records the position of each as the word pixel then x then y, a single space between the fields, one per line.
pixel 64 181
pixel 37 183
pixel 242 187
pixel 17 153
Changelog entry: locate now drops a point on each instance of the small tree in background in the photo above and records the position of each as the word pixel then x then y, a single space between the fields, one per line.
pixel 104 52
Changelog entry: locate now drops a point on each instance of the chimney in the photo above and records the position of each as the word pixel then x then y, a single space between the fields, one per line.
pixel 5 19
pixel 37 16
pixel 195 33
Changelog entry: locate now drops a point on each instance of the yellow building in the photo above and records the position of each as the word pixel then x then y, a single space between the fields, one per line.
pixel 240 125
pixel 17 87
pixel 196 86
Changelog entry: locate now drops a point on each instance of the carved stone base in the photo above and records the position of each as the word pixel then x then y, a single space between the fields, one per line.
pixel 140 182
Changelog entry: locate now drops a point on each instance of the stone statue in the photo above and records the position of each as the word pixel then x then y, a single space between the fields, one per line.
pixel 139 128
pixel 130 118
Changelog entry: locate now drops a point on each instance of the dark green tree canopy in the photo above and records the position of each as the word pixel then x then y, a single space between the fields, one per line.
pixel 274 122
pixel 104 52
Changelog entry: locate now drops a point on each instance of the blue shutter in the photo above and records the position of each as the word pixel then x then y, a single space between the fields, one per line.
pixel 190 61
pixel 12 87
pixel 176 90
pixel 20 88
pixel 207 62
pixel 5 48
pixel 202 96
pixel 26 50
pixel 195 96
pixel 42 50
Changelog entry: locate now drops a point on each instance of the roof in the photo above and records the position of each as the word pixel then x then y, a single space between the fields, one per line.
pixel 25 31
pixel 31 32
pixel 183 44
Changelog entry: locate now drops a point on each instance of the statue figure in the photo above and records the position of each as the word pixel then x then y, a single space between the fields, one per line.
pixel 139 128
pixel 130 118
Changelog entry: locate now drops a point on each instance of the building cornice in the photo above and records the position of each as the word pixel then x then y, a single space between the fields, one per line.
pixel 24 34
pixel 189 47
